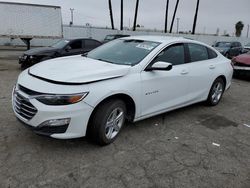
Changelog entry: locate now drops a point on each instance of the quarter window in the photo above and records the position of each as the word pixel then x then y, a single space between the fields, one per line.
pixel 91 43
pixel 211 54
pixel 197 52
pixel 173 54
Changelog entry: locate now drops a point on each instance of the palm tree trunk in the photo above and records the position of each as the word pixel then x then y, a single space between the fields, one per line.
pixel 195 16
pixel 166 18
pixel 111 14
pixel 136 11
pixel 175 10
pixel 121 15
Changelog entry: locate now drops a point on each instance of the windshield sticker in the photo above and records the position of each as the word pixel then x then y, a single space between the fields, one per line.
pixel 145 46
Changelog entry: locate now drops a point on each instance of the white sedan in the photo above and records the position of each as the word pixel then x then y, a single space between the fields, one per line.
pixel 130 79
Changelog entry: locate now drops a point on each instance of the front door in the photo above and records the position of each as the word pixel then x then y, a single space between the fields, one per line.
pixel 163 90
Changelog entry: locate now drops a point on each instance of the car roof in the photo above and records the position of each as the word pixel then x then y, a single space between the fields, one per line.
pixel 161 39
pixel 71 39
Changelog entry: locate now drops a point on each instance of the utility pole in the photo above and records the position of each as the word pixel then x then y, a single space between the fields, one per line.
pixel 166 18
pixel 136 11
pixel 72 16
pixel 172 24
pixel 178 19
pixel 195 16
pixel 111 14
pixel 247 30
pixel 121 15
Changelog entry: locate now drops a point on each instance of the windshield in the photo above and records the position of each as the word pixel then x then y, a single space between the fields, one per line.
pixel 248 44
pixel 223 44
pixel 60 44
pixel 123 52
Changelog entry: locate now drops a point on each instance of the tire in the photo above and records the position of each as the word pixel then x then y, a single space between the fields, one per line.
pixel 216 92
pixel 107 122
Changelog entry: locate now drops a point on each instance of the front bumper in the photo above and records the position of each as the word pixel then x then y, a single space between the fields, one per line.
pixel 78 113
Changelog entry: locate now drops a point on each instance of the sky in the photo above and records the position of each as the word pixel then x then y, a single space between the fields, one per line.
pixel 213 14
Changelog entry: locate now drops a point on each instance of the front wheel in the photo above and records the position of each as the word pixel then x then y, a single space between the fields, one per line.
pixel 107 121
pixel 216 92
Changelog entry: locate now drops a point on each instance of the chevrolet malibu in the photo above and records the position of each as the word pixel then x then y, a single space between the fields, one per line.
pixel 128 79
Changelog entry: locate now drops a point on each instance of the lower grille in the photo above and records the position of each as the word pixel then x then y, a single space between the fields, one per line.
pixel 23 107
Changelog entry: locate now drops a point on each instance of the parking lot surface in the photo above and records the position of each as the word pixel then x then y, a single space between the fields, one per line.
pixel 196 146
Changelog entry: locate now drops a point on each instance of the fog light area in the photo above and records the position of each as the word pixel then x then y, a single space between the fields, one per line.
pixel 55 122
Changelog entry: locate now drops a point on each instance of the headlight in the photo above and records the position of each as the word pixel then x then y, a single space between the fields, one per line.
pixel 61 99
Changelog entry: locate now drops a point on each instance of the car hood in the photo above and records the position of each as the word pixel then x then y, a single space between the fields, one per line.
pixel 37 51
pixel 244 58
pixel 77 70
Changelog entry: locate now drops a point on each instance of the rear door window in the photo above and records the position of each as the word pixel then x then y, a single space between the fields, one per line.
pixel 197 52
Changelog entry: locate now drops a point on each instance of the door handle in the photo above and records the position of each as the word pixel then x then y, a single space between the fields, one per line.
pixel 183 72
pixel 212 66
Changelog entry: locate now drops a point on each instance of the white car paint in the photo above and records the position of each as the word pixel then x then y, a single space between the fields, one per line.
pixel 153 92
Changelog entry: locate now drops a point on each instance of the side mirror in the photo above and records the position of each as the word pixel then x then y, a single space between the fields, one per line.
pixel 161 66
pixel 68 48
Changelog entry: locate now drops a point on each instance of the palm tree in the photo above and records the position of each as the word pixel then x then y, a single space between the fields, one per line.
pixel 238 28
pixel 166 18
pixel 175 10
pixel 136 11
pixel 195 16
pixel 111 14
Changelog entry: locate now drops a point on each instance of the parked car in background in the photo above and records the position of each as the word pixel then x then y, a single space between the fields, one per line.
pixel 229 49
pixel 113 37
pixel 64 47
pixel 247 47
pixel 242 64
pixel 126 79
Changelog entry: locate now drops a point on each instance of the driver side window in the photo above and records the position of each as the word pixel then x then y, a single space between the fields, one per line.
pixel 76 45
pixel 173 54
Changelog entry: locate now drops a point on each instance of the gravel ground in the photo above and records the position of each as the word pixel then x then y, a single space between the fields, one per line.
pixel 196 146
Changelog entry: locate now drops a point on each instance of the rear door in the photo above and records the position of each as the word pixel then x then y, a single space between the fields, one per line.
pixel 202 71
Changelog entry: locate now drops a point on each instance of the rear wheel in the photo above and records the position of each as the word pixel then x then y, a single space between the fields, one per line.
pixel 216 92
pixel 107 121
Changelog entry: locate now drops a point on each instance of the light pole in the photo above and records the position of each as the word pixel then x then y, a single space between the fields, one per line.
pixel 178 19
pixel 72 15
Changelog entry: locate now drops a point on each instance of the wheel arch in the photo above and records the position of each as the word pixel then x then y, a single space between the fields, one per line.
pixel 128 100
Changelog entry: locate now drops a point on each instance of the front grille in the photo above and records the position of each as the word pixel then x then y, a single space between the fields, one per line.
pixel 23 107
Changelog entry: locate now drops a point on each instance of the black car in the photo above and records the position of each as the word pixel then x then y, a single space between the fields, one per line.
pixel 229 49
pixel 113 37
pixel 63 47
